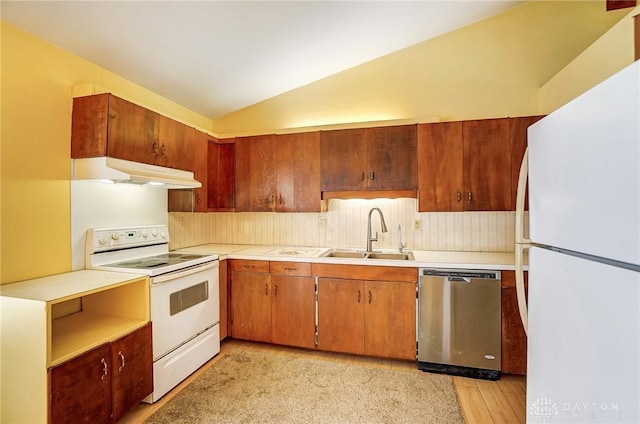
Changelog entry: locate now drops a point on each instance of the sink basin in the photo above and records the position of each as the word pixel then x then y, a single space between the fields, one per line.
pixel 351 254
pixel 355 254
pixel 408 256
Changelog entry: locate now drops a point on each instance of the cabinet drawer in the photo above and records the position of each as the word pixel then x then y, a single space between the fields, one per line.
pixel 249 266
pixel 299 269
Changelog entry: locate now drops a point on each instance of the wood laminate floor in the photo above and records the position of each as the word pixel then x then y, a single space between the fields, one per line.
pixel 482 402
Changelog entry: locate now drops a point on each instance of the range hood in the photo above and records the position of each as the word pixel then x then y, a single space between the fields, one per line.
pixel 114 170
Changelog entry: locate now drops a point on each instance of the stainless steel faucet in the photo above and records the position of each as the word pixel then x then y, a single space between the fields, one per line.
pixel 382 224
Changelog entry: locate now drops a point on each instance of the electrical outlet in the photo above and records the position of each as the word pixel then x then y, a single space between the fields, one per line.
pixel 416 224
pixel 322 220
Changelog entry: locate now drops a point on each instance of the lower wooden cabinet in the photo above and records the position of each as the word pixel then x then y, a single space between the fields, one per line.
pixel 275 302
pixel 251 305
pixel 376 318
pixel 273 305
pixel 80 389
pixel 102 385
pixel 373 316
pixel 514 339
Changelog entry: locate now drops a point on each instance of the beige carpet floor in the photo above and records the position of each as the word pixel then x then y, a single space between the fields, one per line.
pixel 261 387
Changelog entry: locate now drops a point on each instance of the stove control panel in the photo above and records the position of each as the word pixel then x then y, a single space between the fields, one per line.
pixel 105 239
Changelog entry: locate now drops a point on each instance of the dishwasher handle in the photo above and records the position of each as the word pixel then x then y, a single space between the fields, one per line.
pixel 459 279
pixel 460 275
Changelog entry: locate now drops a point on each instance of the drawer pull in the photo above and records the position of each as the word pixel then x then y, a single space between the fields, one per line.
pixel 266 289
pixel 369 297
pixel 358 297
pixel 290 269
pixel 275 290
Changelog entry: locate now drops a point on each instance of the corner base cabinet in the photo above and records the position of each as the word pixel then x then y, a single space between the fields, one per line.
pixel 76 347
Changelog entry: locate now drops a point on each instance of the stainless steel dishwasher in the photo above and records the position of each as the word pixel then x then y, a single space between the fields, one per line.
pixel 459 316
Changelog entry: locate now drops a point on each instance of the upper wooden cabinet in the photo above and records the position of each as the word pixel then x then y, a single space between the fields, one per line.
pixel 278 173
pixel 381 158
pixel 256 173
pixel 221 174
pixel 298 172
pixel 105 125
pixel 470 165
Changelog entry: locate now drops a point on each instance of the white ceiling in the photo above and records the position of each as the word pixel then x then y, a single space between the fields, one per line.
pixel 216 57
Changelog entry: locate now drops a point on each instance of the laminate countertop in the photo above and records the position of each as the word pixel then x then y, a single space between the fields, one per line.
pixel 423 258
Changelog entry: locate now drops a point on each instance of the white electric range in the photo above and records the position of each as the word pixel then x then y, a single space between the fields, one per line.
pixel 184 295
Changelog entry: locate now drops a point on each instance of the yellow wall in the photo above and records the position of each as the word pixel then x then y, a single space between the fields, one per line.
pixel 608 55
pixel 37 81
pixel 493 68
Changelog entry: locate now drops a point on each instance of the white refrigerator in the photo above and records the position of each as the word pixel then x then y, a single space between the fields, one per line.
pixel 583 317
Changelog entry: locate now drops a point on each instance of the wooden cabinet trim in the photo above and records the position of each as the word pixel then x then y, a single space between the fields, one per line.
pixel 365 272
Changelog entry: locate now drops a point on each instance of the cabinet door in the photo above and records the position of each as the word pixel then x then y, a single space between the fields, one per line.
pixel 440 171
pixel 132 360
pixel 221 195
pixel 80 389
pixel 256 173
pixel 341 315
pixel 514 339
pixel 519 128
pixel 293 311
pixel 89 120
pixel 200 171
pixel 390 319
pixel 133 132
pixel 487 165
pixel 298 172
pixel 392 158
pixel 193 200
pixel 343 160
pixel 176 142
pixel 251 306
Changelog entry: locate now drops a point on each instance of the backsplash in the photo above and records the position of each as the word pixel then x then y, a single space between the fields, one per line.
pixel 344 225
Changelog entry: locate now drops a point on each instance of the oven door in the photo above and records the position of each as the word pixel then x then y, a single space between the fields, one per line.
pixel 183 304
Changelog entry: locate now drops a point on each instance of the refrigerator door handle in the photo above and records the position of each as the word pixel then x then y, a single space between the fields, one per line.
pixel 520 199
pixel 522 243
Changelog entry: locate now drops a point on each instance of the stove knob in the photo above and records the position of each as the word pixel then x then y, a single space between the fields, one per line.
pixel 144 234
pixel 154 233
pixel 115 236
pixel 163 234
pixel 102 241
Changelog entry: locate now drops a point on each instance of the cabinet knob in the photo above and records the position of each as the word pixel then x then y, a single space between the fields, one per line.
pixel 372 175
pixel 163 151
pixel 458 196
pixel 154 149
pixel 470 197
pixel 112 115
pixel 198 198
pixel 362 176
pixel 266 289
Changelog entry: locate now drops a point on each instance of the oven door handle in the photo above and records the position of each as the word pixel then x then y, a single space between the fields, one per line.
pixel 179 274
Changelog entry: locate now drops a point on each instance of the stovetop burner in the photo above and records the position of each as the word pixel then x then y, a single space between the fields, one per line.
pixel 151 262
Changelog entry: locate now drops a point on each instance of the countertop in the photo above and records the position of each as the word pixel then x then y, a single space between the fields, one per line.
pixel 66 285
pixel 423 258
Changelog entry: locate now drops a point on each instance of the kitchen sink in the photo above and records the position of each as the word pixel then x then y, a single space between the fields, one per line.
pixel 407 256
pixel 351 254
pixel 357 254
